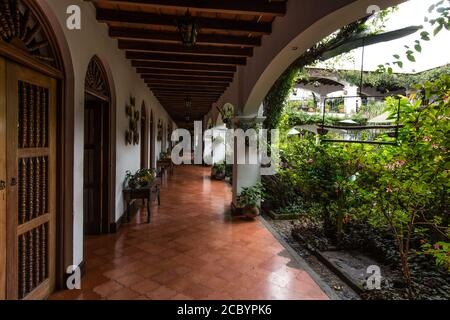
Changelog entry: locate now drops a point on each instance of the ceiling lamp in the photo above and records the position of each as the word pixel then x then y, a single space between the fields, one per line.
pixel 188 28
pixel 188 103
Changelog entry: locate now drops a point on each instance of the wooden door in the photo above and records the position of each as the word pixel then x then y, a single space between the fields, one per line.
pixel 2 179
pixel 93 167
pixel 31 181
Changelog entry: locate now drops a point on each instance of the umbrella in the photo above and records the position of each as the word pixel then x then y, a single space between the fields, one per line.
pixel 293 132
pixel 361 40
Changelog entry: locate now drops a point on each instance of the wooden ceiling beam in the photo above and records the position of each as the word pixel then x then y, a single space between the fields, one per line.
pixel 194 87
pixel 144 19
pixel 143 46
pixel 186 89
pixel 150 71
pixel 173 37
pixel 171 83
pixel 182 66
pixel 185 78
pixel 186 58
pixel 183 94
pixel 247 7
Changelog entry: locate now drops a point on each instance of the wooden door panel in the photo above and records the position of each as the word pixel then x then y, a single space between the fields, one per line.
pixel 31 169
pixel 2 179
pixel 92 168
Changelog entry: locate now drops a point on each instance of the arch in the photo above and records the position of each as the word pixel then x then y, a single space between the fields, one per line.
pixel 144 137
pixel 152 141
pixel 53 59
pixel 292 37
pixel 99 211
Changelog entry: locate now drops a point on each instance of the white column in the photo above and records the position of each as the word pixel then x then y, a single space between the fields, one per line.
pixel 353 101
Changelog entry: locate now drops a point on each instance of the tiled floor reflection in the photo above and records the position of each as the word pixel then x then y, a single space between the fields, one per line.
pixel 192 250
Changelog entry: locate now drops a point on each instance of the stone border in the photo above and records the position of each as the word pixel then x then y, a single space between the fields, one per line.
pixel 300 261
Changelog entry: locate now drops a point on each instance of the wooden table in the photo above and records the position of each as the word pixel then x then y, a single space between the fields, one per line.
pixel 144 193
pixel 166 165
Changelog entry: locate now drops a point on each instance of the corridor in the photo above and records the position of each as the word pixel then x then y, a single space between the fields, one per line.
pixel 191 250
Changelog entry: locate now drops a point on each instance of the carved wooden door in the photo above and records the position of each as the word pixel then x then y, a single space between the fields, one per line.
pixel 31 181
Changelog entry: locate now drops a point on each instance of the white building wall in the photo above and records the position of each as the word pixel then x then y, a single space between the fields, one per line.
pixel 92 40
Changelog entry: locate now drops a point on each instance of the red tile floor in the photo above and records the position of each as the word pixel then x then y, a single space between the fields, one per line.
pixel 191 250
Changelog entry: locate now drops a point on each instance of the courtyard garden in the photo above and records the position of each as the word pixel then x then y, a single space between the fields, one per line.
pixel 359 205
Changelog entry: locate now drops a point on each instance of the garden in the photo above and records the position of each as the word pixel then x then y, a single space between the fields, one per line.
pixel 382 205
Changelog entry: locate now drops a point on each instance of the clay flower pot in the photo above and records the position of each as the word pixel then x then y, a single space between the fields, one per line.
pixel 250 211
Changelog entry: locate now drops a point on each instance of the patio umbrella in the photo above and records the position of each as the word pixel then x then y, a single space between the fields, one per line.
pixel 361 40
pixel 293 132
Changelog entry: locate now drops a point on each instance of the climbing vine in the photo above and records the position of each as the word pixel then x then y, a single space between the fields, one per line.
pixel 279 93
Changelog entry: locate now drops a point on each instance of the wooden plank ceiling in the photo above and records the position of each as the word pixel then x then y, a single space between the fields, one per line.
pixel 229 31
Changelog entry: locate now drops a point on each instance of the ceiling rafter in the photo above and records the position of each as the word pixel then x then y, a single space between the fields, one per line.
pixel 247 7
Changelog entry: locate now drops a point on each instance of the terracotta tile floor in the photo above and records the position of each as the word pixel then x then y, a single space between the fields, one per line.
pixel 192 250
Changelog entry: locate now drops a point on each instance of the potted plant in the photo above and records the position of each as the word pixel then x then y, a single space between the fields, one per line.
pixel 250 198
pixel 145 177
pixel 131 180
pixel 218 171
pixel 142 178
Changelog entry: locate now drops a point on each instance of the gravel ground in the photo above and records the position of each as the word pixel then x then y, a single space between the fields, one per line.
pixel 342 290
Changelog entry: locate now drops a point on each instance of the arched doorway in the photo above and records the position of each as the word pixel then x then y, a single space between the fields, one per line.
pixel 35 170
pixel 97 199
pixel 144 137
pixel 152 142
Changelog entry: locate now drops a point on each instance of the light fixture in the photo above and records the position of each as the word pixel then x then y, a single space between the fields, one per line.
pixel 188 28
pixel 188 103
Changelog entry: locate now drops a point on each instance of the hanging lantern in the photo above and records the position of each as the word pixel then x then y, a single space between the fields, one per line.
pixel 188 103
pixel 188 28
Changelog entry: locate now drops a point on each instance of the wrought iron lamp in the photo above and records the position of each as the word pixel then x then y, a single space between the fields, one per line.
pixel 188 27
pixel 188 103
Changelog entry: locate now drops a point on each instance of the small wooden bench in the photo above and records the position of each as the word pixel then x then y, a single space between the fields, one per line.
pixel 144 193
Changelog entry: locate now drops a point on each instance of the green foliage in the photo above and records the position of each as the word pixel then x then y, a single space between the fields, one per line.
pixel 386 82
pixel 275 100
pixel 141 177
pixel 251 196
pixel 403 188
pixel 434 24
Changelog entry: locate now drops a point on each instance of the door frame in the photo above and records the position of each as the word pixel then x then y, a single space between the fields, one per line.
pixel 64 74
pixel 108 97
pixel 144 137
pixel 152 142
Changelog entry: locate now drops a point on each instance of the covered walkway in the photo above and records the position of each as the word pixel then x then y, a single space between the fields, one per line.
pixel 191 250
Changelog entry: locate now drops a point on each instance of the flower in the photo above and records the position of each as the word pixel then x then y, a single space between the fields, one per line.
pixel 310 161
pixel 389 190
pixel 435 146
pixel 426 139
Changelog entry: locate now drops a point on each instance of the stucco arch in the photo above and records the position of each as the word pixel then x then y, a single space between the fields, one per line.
pixel 293 36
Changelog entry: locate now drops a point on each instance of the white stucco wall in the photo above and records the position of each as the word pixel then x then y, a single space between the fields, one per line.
pixel 93 40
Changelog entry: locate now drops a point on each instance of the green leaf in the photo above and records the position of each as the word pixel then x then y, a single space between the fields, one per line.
pixel 418 48
pixel 411 58
pixel 396 56
pixel 437 30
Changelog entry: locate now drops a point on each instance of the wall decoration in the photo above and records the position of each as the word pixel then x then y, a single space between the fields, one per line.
pixel 160 130
pixel 132 133
pixel 227 114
